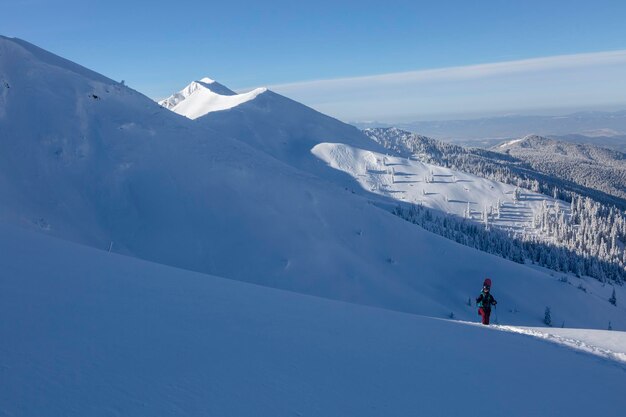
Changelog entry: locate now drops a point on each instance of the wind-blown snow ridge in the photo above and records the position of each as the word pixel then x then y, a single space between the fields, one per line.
pixel 12 46
pixel 604 343
pixel 205 96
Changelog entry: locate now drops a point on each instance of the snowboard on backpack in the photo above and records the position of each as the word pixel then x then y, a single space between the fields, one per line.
pixel 487 282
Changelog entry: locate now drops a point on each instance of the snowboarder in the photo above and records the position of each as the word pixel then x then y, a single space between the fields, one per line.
pixel 484 301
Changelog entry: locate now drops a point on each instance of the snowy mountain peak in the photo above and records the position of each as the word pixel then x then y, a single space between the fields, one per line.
pixel 214 86
pixel 205 83
pixel 205 96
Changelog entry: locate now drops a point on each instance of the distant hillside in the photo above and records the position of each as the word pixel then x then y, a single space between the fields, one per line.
pixel 617 142
pixel 588 165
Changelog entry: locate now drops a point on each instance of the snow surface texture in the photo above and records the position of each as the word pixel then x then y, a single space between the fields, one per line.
pixel 604 343
pixel 89 160
pixel 86 333
pixel 205 96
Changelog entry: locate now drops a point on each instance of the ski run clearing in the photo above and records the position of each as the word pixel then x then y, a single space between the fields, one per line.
pixel 88 333
pixel 449 191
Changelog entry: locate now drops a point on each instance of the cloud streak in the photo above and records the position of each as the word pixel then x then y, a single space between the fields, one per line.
pixel 590 79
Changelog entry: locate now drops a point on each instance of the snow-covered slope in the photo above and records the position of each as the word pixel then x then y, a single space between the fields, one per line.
pixel 84 332
pixel 273 124
pixel 205 96
pixel 590 238
pixel 499 165
pixel 453 192
pixel 89 160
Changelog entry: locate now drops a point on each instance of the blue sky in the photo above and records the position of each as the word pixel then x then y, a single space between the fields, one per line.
pixel 158 47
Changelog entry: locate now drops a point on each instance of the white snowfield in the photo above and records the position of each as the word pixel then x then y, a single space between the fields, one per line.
pixel 443 189
pixel 88 333
pixel 205 96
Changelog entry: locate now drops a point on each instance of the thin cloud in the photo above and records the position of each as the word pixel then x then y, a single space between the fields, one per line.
pixel 472 71
pixel 567 80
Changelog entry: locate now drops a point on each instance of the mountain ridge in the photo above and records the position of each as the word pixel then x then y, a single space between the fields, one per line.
pixel 204 96
pixel 278 126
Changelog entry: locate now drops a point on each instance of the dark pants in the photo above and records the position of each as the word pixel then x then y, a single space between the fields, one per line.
pixel 485 313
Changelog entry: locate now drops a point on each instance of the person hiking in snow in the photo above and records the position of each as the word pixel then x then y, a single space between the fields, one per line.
pixel 485 300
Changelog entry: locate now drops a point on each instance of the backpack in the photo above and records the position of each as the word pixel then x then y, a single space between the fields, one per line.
pixel 485 301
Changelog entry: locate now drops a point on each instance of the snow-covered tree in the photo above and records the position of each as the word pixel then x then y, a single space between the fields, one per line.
pixel 557 255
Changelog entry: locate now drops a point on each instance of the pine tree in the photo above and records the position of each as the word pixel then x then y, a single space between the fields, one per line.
pixel 613 299
pixel 547 317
